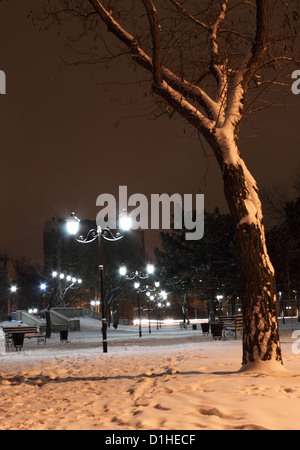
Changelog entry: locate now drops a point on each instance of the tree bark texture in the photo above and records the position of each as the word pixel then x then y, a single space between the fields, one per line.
pixel 258 290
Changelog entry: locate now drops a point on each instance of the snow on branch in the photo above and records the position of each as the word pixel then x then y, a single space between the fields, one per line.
pixel 185 109
pixel 183 87
pixel 248 68
pixel 214 29
pixel 130 41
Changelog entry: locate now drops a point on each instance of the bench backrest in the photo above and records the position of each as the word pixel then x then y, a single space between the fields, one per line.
pixel 233 319
pixel 19 329
pixel 239 321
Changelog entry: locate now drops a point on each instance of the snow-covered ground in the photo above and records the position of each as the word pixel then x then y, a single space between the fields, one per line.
pixel 170 380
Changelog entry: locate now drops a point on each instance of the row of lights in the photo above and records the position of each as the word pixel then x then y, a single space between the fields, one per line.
pixel 149 269
pixel 43 286
pixel 62 276
pixel 72 223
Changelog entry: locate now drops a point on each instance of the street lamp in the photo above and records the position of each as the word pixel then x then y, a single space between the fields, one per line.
pixel 149 290
pixel 159 306
pixel 72 224
pixel 96 304
pixel 13 290
pixel 138 275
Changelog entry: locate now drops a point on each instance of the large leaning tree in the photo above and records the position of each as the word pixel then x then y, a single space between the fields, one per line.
pixel 211 62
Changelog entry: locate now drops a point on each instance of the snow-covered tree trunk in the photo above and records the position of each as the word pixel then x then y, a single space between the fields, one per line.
pixel 258 291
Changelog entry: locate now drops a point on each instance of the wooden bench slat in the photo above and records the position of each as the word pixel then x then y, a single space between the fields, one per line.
pixel 19 329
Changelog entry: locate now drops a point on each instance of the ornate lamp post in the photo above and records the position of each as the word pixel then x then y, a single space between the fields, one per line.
pixel 72 224
pixel 159 306
pixel 138 275
pixel 148 291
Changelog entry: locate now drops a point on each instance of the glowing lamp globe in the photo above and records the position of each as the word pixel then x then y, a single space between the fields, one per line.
pixel 72 223
pixel 123 270
pixel 125 221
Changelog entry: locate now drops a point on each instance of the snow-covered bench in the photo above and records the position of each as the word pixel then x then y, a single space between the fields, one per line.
pixel 16 335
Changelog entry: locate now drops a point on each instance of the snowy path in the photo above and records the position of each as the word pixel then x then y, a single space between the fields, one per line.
pixel 173 386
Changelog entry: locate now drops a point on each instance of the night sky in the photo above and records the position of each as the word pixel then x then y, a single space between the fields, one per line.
pixel 66 138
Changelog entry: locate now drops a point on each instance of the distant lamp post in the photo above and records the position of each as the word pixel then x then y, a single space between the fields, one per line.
pixel 164 295
pixel 43 289
pixel 159 306
pixel 219 298
pixel 138 275
pixel 13 290
pixel 280 296
pixel 95 304
pixel 72 224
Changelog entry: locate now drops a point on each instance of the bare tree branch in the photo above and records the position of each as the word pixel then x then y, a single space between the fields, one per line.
pixel 185 13
pixel 156 41
pixel 260 41
pixel 138 54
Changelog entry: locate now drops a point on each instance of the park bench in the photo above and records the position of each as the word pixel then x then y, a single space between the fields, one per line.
pixel 16 336
pixel 183 325
pixel 187 325
pixel 231 324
